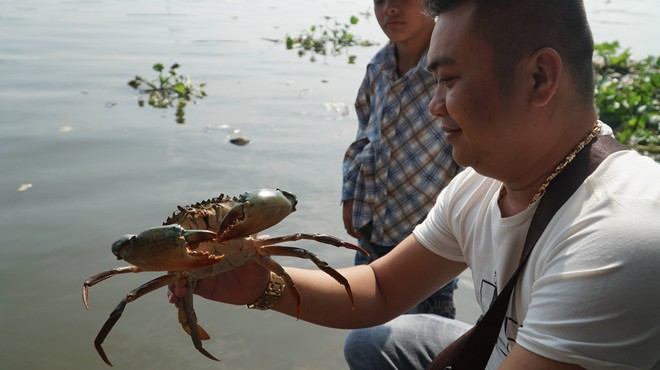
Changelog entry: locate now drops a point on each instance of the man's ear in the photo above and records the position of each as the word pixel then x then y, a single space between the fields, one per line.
pixel 546 68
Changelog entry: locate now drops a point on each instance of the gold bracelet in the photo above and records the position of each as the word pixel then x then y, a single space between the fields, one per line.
pixel 271 295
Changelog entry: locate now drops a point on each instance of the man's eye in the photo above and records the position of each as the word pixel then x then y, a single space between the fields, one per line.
pixel 439 79
pixel 443 80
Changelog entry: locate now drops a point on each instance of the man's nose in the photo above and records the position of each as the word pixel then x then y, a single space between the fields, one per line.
pixel 438 105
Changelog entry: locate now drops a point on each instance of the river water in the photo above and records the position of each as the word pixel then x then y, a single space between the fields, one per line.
pixel 83 164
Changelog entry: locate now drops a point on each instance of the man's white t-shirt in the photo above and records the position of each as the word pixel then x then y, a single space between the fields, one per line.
pixel 590 293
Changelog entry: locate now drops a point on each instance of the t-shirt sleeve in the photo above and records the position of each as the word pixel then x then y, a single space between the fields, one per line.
pixel 436 233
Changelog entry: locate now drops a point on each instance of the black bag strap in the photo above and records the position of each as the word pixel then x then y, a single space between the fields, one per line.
pixel 472 350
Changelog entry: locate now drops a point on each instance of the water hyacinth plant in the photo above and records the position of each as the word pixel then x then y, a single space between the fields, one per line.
pixel 168 90
pixel 628 96
pixel 332 38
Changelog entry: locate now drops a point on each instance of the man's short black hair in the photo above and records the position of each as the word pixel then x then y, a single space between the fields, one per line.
pixel 518 28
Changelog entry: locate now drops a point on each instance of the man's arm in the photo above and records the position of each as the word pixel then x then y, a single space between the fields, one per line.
pixel 382 290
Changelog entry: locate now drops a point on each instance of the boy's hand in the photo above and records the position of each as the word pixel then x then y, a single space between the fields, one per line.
pixel 347 215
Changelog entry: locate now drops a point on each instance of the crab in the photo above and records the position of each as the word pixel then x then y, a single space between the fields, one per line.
pixel 206 239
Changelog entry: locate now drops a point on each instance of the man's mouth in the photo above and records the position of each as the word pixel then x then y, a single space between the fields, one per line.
pixel 451 133
pixel 450 129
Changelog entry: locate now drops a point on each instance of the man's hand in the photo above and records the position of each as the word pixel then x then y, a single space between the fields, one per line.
pixel 347 215
pixel 242 285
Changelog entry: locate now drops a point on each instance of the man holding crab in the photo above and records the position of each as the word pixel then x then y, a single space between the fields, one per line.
pixel 515 97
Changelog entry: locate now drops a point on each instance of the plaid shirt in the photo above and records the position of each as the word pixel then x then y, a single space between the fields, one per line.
pixel 399 162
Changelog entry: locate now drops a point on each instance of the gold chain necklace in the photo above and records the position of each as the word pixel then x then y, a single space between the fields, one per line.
pixel 569 158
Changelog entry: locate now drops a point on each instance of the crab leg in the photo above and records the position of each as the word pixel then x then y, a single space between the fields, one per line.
pixel 130 297
pixel 321 238
pixel 93 280
pixel 186 305
pixel 275 250
pixel 183 320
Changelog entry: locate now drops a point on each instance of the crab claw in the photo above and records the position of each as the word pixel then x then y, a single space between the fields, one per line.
pixel 256 211
pixel 194 237
pixel 121 243
pixel 164 248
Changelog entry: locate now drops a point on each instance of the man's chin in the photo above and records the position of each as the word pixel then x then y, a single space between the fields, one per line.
pixel 461 157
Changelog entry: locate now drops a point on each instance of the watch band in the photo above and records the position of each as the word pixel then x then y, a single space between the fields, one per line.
pixel 271 295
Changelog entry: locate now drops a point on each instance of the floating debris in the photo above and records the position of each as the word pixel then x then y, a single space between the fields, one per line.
pixel 236 138
pixel 233 135
pixel 337 107
pixel 239 140
pixel 24 187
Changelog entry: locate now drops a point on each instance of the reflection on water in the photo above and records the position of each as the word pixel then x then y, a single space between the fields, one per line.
pixel 77 175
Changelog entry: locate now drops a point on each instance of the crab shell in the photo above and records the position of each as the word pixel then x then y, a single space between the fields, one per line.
pixel 204 215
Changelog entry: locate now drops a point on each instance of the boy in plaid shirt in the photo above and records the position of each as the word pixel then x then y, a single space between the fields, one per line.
pixel 399 162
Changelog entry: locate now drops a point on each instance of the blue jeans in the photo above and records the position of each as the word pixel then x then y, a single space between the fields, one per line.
pixel 439 303
pixel 407 342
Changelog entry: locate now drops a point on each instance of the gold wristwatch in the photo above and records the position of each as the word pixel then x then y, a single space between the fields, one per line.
pixel 271 295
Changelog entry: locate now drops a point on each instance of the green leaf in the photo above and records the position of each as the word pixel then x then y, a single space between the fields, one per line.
pixel 180 89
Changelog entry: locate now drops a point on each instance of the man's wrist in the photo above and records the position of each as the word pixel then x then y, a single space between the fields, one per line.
pixel 271 295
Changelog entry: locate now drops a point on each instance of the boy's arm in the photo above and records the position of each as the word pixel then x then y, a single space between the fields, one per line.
pixel 353 157
pixel 347 216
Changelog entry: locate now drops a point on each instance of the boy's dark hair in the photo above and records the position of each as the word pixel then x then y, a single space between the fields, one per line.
pixel 518 28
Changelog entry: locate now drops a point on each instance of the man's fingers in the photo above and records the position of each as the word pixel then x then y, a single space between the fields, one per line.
pixel 171 297
pixel 176 290
pixel 180 289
